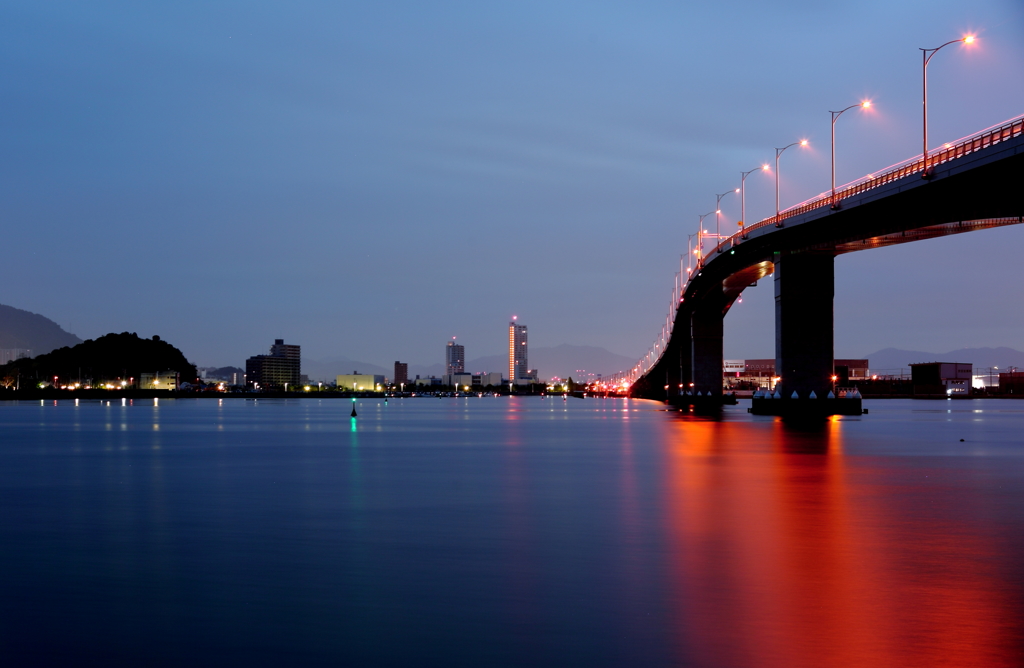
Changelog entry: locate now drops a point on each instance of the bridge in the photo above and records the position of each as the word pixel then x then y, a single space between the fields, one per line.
pixel 974 184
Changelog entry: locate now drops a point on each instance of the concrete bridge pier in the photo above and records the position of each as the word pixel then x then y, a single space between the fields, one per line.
pixel 706 327
pixel 804 291
pixel 678 371
pixel 685 356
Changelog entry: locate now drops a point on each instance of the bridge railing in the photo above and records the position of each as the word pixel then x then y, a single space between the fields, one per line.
pixel 958 149
pixel 951 151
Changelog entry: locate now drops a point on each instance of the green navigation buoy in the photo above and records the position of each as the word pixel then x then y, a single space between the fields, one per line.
pixel 353 406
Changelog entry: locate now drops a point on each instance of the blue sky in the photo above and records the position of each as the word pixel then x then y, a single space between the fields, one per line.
pixel 370 179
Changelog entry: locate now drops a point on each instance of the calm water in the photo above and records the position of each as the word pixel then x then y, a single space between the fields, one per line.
pixel 509 532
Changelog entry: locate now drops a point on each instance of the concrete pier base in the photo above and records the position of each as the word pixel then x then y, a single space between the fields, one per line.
pixel 706 327
pixel 806 408
pixel 804 290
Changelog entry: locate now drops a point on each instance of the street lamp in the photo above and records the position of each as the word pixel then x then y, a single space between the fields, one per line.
pixel 926 56
pixel 778 154
pixel 743 195
pixel 835 117
pixel 718 216
pixel 700 239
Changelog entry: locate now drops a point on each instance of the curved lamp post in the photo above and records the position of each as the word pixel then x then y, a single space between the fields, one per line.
pixel 700 239
pixel 835 117
pixel 926 56
pixel 743 195
pixel 778 154
pixel 718 217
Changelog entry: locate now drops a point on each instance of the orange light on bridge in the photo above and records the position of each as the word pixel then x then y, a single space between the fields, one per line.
pixel 865 104
pixel 803 142
pixel 969 39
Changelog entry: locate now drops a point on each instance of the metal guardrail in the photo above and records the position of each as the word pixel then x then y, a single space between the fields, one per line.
pixel 989 137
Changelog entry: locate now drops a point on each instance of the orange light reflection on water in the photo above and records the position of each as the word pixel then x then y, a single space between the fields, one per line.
pixel 787 552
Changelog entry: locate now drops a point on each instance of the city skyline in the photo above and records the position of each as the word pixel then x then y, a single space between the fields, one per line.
pixel 236 153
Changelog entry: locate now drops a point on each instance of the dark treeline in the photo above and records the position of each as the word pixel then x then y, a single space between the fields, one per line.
pixel 110 357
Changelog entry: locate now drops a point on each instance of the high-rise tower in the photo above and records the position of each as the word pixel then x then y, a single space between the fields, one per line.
pixel 517 366
pixel 454 358
pixel 282 367
pixel 401 373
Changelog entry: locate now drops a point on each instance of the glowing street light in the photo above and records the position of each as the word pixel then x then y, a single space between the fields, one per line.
pixel 718 217
pixel 699 251
pixel 778 154
pixel 743 193
pixel 926 56
pixel 835 117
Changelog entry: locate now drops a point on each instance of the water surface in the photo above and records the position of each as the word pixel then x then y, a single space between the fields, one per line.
pixel 509 532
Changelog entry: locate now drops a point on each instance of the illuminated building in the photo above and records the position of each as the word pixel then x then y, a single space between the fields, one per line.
pixel 518 369
pixel 360 382
pixel 166 380
pixel 454 358
pixel 473 381
pixel 941 378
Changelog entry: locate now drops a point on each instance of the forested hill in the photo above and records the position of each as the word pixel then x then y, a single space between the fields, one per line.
pixel 24 329
pixel 109 357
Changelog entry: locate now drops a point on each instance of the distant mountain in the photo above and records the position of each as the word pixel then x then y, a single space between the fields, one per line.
pixel 892 359
pixel 329 369
pixel 227 373
pixel 24 329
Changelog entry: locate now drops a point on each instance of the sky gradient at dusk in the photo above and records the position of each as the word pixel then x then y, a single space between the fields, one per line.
pixel 370 179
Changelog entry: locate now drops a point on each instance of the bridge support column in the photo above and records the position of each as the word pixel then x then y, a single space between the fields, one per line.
pixel 706 334
pixel 677 367
pixel 804 290
pixel 685 357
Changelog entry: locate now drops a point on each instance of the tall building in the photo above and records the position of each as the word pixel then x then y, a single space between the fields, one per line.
pixel 517 366
pixel 289 352
pixel 401 373
pixel 282 365
pixel 454 358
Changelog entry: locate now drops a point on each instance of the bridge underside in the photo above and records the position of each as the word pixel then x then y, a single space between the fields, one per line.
pixel 921 233
pixel 748 276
